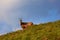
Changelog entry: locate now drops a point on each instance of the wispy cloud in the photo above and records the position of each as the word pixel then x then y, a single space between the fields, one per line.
pixel 52 1
pixel 8 13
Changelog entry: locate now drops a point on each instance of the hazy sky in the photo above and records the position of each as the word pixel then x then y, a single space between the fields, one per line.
pixel 36 11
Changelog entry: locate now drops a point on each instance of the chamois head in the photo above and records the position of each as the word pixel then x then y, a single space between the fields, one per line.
pixel 20 20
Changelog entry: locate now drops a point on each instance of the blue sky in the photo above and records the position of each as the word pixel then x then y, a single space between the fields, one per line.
pixel 36 11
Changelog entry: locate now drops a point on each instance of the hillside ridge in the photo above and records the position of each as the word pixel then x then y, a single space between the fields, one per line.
pixel 45 31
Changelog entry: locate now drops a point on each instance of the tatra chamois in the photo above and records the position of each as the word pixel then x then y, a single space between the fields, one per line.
pixel 25 24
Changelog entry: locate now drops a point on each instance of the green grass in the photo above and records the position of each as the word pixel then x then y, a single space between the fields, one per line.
pixel 50 31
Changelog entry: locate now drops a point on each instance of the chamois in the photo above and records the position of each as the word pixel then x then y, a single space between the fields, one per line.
pixel 24 25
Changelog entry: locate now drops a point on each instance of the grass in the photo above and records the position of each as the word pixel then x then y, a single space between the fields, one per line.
pixel 46 31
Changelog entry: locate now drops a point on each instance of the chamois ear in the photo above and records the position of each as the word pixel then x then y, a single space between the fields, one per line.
pixel 19 19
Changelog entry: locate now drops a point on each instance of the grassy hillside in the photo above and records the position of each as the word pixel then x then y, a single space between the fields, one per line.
pixel 46 31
